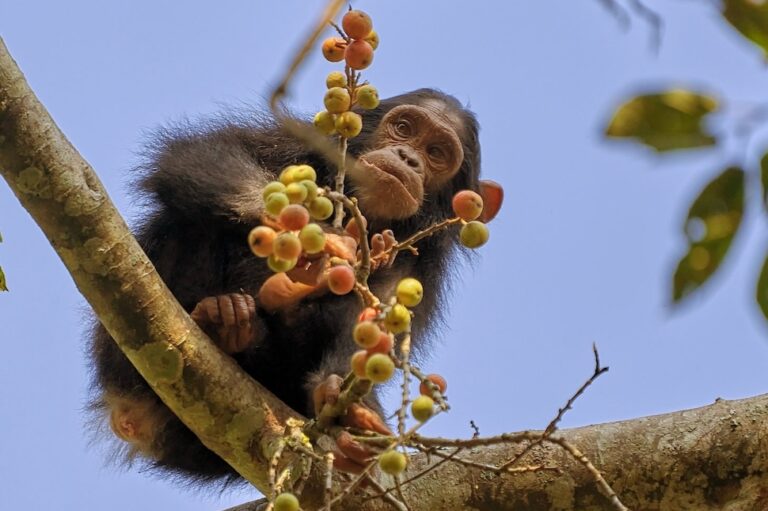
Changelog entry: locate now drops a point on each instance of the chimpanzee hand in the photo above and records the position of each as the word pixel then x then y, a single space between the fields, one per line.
pixel 309 277
pixel 230 320
pixel 352 456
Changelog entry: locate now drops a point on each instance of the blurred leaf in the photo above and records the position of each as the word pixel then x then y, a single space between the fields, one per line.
pixel 3 286
pixel 761 293
pixel 665 121
pixel 711 224
pixel 750 17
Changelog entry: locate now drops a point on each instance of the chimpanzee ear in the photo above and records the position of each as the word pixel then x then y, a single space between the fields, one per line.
pixel 493 196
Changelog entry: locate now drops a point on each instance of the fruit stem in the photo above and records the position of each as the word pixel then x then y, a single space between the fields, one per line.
pixel 408 243
pixel 405 355
pixel 364 268
pixel 340 174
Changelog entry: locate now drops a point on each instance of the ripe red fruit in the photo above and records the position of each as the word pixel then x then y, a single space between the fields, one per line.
pixel 437 380
pixel 359 54
pixel 386 341
pixel 341 279
pixel 357 24
pixel 294 217
pixel 333 49
pixel 358 360
pixel 467 205
pixel 368 314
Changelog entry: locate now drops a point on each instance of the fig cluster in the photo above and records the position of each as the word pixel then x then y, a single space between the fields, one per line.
pixel 376 329
pixel 292 201
pixel 343 92
pixel 468 206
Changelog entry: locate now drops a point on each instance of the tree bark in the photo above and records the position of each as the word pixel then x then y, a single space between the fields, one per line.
pixel 707 459
pixel 704 460
pixel 233 415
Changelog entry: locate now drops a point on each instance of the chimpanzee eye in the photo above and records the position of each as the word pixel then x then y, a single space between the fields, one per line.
pixel 436 153
pixel 403 128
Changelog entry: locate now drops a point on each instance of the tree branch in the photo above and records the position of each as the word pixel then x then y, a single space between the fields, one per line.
pixel 706 459
pixel 64 196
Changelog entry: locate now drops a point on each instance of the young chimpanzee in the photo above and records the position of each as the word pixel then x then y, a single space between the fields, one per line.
pixel 415 152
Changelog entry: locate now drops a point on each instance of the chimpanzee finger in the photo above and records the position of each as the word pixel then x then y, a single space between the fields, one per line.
pixel 251 303
pixel 377 244
pixel 244 319
pixel 362 417
pixel 206 311
pixel 344 247
pixel 352 449
pixel 227 310
pixel 345 464
pixel 327 392
pixel 389 238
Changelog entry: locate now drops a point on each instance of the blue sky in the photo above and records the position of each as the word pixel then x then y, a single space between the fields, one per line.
pixel 581 252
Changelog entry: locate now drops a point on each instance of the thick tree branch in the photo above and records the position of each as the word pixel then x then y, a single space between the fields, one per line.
pixel 706 459
pixel 194 378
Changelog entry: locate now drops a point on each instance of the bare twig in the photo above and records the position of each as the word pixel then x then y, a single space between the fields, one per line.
pixel 328 494
pixel 405 355
pixel 364 268
pixel 330 13
pixel 340 174
pixel 552 426
pixel 408 243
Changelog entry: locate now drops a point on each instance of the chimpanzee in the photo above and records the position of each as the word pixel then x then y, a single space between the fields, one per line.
pixel 204 185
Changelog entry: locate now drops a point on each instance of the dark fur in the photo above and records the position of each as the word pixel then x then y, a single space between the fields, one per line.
pixel 201 183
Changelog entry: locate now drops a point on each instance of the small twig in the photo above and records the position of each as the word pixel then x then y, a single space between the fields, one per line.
pixel 653 19
pixel 552 426
pixel 339 30
pixel 370 299
pixel 436 394
pixel 274 461
pixel 405 355
pixel 340 174
pixel 328 494
pixel 364 268
pixel 467 443
pixel 354 483
pixel 400 493
pixel 483 466
pixel 408 243
pixel 333 8
pixel 475 429
pixel 618 12
pixel 385 494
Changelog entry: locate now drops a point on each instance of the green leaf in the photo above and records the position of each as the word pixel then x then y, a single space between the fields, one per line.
pixel 750 17
pixel 665 121
pixel 3 286
pixel 761 292
pixel 712 222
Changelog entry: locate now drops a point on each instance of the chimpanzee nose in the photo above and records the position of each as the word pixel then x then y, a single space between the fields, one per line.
pixel 407 157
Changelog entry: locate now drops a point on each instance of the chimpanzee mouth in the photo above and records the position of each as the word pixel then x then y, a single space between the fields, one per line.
pixel 391 173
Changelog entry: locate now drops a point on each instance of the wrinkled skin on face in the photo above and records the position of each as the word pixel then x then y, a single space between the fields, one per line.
pixel 417 151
